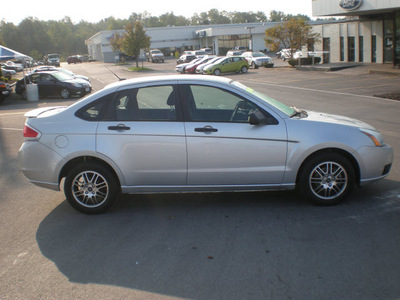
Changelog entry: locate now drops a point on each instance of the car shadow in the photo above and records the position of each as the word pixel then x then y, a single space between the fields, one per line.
pixel 210 246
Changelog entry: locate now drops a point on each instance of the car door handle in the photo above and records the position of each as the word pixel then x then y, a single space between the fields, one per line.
pixel 206 129
pixel 119 127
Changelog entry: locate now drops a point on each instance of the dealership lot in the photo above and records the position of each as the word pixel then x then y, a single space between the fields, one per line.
pixel 208 246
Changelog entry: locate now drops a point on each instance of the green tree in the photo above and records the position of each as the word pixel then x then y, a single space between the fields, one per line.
pixel 134 39
pixel 292 34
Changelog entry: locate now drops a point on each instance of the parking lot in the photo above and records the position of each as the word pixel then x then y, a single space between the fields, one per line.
pixel 208 246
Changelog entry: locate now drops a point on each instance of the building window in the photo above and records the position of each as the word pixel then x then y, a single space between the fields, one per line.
pixel 373 49
pixel 360 48
pixel 388 30
pixel 326 44
pixel 341 48
pixel 351 48
pixel 397 38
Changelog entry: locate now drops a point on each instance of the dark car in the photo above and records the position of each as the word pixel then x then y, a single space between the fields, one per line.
pixel 5 90
pixel 54 84
pixel 74 59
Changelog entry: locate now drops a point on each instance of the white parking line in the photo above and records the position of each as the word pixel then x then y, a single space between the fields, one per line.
pixel 320 91
pixel 15 113
pixel 12 129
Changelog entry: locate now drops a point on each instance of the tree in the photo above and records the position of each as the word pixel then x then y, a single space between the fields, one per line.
pixel 292 34
pixel 134 39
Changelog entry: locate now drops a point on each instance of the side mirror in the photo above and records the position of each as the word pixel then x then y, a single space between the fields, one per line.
pixel 258 118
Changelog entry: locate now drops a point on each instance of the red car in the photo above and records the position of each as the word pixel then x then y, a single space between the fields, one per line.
pixel 192 67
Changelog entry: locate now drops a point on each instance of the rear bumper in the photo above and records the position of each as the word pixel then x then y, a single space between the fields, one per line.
pixel 39 164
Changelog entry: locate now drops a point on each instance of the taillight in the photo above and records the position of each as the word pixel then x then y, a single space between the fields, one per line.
pixel 30 132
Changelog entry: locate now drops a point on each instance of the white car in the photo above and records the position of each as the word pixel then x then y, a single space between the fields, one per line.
pixel 13 66
pixel 258 59
pixel 7 73
pixel 193 133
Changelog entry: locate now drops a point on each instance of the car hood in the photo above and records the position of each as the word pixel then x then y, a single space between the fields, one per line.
pixel 337 119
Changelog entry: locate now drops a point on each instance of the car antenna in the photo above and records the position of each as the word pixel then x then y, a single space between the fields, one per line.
pixel 120 79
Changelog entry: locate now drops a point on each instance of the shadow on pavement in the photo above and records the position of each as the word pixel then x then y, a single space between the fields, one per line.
pixel 231 245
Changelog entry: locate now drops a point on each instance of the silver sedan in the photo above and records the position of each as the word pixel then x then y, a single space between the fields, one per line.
pixel 195 134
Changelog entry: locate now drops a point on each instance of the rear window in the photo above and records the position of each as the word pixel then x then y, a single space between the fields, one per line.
pixel 95 110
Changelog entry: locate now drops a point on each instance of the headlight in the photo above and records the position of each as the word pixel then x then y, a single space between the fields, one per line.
pixel 375 136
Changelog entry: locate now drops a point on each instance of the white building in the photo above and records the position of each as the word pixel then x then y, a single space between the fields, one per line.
pixel 221 38
pixel 372 36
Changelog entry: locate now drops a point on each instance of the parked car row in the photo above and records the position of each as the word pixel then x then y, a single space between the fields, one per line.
pixel 209 64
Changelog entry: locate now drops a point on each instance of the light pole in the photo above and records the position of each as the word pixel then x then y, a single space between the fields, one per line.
pixel 251 37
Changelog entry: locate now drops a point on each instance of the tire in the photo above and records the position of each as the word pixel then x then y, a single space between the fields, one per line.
pixel 65 93
pixel 8 75
pixel 326 179
pixel 217 72
pixel 2 98
pixel 91 188
pixel 243 69
pixel 24 94
pixel 253 65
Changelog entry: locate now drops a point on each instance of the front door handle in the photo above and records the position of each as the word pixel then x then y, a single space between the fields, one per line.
pixel 206 129
pixel 119 127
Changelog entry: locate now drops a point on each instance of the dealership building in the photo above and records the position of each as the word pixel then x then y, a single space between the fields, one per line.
pixel 370 33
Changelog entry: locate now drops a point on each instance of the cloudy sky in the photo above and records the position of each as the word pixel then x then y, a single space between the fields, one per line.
pixel 94 11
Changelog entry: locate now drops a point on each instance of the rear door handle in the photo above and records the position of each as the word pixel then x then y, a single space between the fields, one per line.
pixel 119 127
pixel 206 129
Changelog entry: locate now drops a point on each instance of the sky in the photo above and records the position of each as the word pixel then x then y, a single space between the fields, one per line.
pixel 94 11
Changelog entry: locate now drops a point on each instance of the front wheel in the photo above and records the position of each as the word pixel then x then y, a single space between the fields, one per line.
pixel 217 72
pixel 243 69
pixel 326 179
pixel 91 188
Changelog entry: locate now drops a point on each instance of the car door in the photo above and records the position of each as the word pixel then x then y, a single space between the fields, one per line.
pixel 145 136
pixel 47 85
pixel 228 65
pixel 223 147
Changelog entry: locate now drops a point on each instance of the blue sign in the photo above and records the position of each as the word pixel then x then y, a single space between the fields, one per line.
pixel 350 4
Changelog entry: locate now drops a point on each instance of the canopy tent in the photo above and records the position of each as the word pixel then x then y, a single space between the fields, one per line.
pixel 8 54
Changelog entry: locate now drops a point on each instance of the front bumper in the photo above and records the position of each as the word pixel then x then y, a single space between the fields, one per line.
pixel 375 164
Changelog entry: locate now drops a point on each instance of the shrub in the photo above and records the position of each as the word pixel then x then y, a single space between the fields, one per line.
pixel 304 61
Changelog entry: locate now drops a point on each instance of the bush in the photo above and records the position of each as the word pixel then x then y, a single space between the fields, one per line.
pixel 304 61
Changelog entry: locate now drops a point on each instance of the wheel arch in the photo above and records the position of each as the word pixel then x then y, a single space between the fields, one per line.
pixel 73 162
pixel 342 152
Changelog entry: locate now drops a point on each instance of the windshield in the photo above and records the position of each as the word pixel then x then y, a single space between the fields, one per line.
pixel 156 51
pixel 53 56
pixel 258 54
pixel 62 76
pixel 275 103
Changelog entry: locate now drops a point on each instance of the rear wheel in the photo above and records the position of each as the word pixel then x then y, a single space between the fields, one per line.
pixel 91 188
pixel 65 93
pixel 326 179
